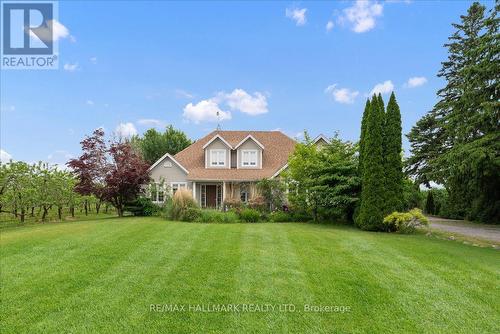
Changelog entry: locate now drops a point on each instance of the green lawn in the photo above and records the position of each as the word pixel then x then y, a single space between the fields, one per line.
pixel 103 276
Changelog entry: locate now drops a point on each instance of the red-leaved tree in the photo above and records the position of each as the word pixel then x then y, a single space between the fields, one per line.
pixel 91 167
pixel 126 176
pixel 116 174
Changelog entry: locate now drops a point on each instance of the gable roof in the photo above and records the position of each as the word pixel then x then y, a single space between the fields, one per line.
pixel 249 137
pixel 171 158
pixel 214 138
pixel 277 145
pixel 321 137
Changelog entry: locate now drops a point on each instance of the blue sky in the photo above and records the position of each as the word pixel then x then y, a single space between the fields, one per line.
pixel 128 66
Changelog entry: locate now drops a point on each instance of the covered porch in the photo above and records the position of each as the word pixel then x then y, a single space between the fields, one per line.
pixel 213 194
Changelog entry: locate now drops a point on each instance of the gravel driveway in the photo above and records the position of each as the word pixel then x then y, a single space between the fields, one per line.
pixel 480 231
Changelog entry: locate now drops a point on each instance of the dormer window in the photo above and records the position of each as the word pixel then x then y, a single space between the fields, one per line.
pixel 249 158
pixel 217 158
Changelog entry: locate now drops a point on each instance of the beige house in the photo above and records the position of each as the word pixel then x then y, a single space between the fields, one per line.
pixel 222 165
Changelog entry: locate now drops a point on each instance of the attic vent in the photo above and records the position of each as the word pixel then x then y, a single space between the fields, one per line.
pixel 167 164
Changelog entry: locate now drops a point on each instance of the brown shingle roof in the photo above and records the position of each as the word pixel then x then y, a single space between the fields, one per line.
pixel 277 148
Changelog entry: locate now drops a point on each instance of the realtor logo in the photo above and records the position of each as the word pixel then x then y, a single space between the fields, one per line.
pixel 27 35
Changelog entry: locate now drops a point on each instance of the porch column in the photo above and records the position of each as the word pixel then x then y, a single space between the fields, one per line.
pixel 194 191
pixel 223 192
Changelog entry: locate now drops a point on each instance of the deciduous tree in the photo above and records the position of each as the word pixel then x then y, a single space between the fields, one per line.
pixel 154 144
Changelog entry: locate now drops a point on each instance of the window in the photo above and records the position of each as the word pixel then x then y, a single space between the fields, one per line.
pixel 176 186
pixel 157 192
pixel 217 157
pixel 244 193
pixel 203 196
pixel 249 158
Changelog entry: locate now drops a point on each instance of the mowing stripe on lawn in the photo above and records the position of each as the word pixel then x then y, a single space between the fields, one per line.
pixel 39 281
pixel 269 273
pixel 113 295
pixel 204 277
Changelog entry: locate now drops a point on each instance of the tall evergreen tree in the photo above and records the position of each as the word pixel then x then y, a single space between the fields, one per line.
pixel 430 207
pixel 457 144
pixel 371 211
pixel 364 120
pixel 393 164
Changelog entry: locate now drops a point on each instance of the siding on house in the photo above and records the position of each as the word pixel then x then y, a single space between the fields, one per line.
pixel 172 173
pixel 249 144
pixel 217 144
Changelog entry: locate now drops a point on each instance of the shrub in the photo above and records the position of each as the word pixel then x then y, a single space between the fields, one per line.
pixel 190 214
pixel 165 210
pixel 273 192
pixel 215 216
pixel 405 222
pixel 142 206
pixel 184 206
pixel 233 203
pixel 280 216
pixel 258 203
pixel 229 217
pixel 298 215
pixel 249 215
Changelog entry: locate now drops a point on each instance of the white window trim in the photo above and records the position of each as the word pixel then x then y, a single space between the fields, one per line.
pixel 256 165
pixel 244 189
pixel 210 158
pixel 179 184
pixel 159 186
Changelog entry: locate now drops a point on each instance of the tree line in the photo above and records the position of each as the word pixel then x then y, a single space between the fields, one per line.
pixel 457 143
pixel 34 190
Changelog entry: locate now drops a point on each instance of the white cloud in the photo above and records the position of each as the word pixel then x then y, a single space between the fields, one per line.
pixel 240 100
pixel 59 155
pixel 90 102
pixel 125 130
pixel 415 82
pixel 4 156
pixel 362 15
pixel 399 1
pixel 58 31
pixel 93 60
pixel 237 100
pixel 71 67
pixel 383 88
pixel 180 93
pixel 342 95
pixel 329 25
pixel 205 110
pixel 297 14
pixel 152 122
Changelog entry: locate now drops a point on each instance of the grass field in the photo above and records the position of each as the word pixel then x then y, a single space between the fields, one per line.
pixel 103 276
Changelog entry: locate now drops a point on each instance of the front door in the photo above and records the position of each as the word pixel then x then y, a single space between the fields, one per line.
pixel 211 193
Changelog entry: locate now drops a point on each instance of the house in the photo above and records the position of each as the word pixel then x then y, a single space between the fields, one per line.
pixel 222 165
pixel 321 141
